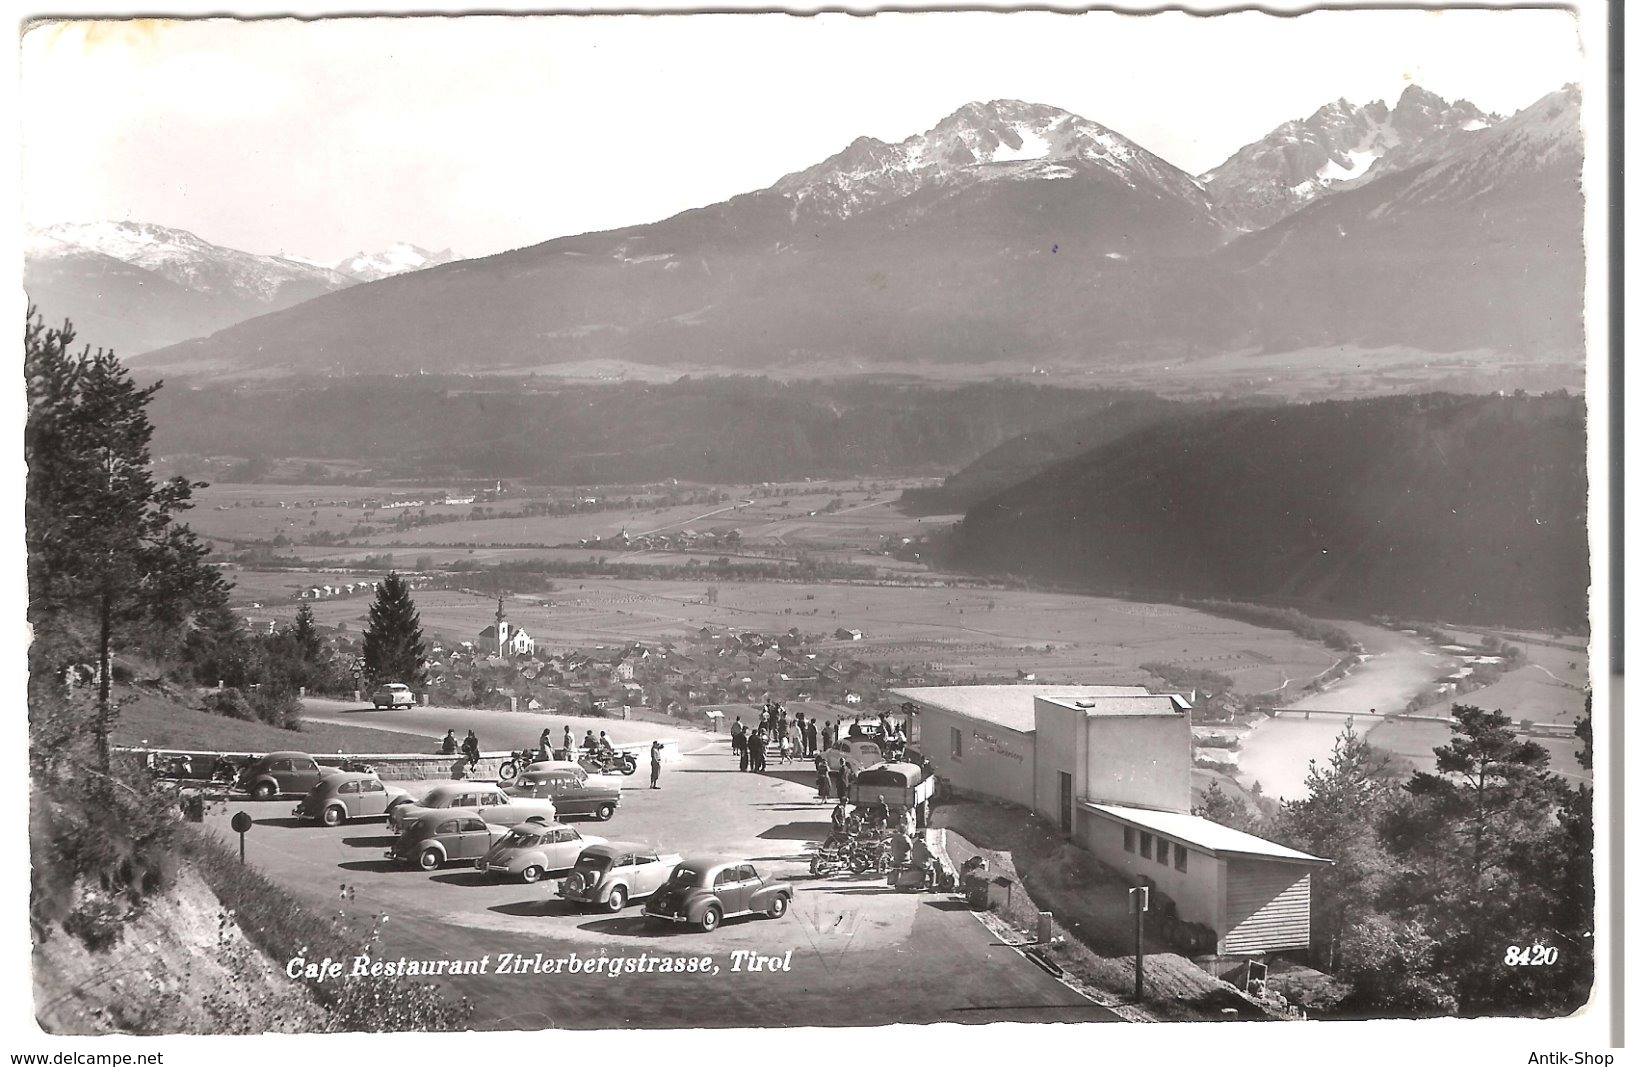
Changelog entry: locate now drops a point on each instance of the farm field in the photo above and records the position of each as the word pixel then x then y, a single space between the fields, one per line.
pixel 1550 687
pixel 969 633
pixel 1412 743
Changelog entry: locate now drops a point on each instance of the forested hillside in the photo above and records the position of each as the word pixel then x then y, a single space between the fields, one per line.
pixel 713 430
pixel 1438 506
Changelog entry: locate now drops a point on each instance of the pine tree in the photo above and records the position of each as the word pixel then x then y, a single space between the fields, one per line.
pixel 1478 840
pixel 105 554
pixel 305 637
pixel 393 644
pixel 1338 820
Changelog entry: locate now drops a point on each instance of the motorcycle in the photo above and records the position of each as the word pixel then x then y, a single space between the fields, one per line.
pixel 623 761
pixel 226 773
pixel 355 766
pixel 521 759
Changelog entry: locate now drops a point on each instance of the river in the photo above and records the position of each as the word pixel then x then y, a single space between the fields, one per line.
pixel 1276 752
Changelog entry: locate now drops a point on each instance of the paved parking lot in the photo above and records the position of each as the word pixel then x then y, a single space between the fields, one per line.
pixel 859 953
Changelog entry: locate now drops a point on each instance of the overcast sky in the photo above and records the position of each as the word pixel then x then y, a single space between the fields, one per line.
pixel 321 139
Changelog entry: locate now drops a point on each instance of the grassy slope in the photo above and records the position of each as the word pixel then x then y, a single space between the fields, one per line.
pixel 156 721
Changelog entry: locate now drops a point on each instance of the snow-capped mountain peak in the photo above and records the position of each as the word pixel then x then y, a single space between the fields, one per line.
pixel 399 258
pixel 991 140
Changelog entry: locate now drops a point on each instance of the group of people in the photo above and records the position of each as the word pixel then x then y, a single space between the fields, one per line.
pixel 470 748
pixel 600 746
pixel 777 733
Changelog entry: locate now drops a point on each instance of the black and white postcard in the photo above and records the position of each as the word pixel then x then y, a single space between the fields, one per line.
pixel 815 535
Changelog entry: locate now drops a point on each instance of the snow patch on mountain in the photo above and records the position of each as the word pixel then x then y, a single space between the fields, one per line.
pixel 398 258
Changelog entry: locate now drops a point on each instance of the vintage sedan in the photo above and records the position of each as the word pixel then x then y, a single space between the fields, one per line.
pixel 707 890
pixel 281 774
pixel 484 799
pixel 340 796
pixel 441 837
pixel 615 872
pixel 573 792
pixel 393 695
pixel 857 753
pixel 533 849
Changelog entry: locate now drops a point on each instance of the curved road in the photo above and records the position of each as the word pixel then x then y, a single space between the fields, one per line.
pixel 860 954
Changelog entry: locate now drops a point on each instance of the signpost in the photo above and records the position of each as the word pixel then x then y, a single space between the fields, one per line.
pixel 1140 895
pixel 241 822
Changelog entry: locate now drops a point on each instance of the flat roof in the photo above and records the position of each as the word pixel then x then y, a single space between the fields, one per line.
pixel 1201 833
pixel 1137 704
pixel 1010 706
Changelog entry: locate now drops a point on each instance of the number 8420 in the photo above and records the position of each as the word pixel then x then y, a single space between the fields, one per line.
pixel 1530 956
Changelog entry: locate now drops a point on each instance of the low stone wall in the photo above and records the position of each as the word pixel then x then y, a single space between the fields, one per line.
pixel 409 767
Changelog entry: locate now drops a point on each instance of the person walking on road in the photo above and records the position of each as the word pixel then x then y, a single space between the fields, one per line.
pixel 825 786
pixel 654 764
pixel 743 748
pixel 758 752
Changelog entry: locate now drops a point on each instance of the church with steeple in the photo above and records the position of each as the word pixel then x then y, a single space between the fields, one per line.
pixel 501 640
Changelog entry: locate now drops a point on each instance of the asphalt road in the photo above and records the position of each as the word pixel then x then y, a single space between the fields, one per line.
pixel 859 953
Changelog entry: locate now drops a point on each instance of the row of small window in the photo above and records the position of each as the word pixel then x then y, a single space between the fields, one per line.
pixel 1146 840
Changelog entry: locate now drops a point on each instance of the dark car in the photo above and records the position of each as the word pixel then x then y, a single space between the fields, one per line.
pixel 573 792
pixel 705 891
pixel 438 838
pixel 281 773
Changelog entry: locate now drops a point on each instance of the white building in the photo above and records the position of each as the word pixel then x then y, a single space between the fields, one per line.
pixel 501 641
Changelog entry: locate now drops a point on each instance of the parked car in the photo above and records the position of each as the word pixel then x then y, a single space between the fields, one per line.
pixel 441 837
pixel 533 849
pixel 484 799
pixel 572 791
pixel 615 872
pixel 393 695
pixel 707 890
pixel 554 765
pixel 281 774
pixel 340 796
pixel 860 754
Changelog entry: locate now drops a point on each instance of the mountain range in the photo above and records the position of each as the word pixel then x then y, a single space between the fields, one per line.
pixel 135 286
pixel 1017 233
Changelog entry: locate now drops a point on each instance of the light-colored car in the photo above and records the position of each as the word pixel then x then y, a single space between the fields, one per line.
pixel 393 695
pixel 707 890
pixel 534 849
pixel 484 799
pixel 340 796
pixel 858 753
pixel 279 773
pixel 441 837
pixel 573 791
pixel 615 872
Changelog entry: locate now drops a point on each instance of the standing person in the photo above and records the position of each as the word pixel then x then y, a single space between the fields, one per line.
pixel 654 764
pixel 826 788
pixel 846 779
pixel 810 737
pixel 744 752
pixel 568 749
pixel 544 747
pixel 758 751
pixel 739 735
pixel 786 748
pixel 840 785
pixel 829 736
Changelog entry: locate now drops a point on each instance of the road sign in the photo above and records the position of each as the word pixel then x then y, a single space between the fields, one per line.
pixel 242 822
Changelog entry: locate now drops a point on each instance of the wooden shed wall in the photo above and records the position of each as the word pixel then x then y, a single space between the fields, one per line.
pixel 1266 907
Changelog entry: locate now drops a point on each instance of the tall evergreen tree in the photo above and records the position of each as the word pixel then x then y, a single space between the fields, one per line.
pixel 105 554
pixel 1476 839
pixel 393 644
pixel 305 637
pixel 1338 820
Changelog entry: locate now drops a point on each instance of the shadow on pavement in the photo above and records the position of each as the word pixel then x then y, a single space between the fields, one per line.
pixel 289 821
pixel 374 866
pixel 552 907
pixel 859 890
pixel 948 905
pixel 381 841
pixel 806 778
pixel 463 878
pixel 636 926
pixel 796 831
